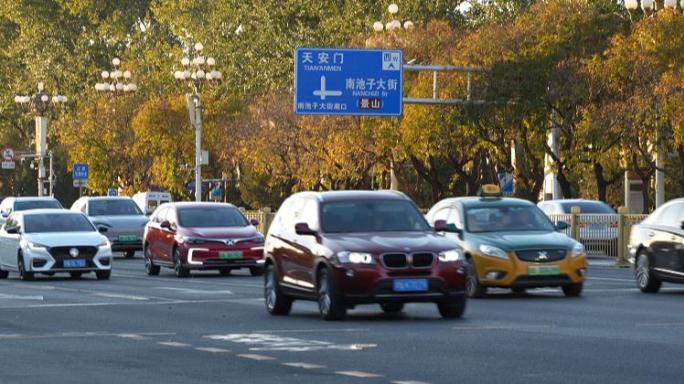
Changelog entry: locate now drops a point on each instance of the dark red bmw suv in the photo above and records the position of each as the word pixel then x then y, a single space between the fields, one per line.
pixel 188 236
pixel 347 248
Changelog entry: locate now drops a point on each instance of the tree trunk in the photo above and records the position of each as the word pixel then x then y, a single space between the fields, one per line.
pixel 601 184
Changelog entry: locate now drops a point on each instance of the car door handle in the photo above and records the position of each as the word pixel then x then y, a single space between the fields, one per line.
pixel 651 234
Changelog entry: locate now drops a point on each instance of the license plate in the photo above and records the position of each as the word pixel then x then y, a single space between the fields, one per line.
pixel 543 270
pixel 74 263
pixel 128 238
pixel 410 285
pixel 230 255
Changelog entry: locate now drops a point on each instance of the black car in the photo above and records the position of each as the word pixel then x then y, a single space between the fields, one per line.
pixel 657 247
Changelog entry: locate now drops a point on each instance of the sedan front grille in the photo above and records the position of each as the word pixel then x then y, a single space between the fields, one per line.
pixel 61 253
pixel 541 255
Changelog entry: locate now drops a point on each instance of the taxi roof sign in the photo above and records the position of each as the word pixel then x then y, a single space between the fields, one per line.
pixel 491 191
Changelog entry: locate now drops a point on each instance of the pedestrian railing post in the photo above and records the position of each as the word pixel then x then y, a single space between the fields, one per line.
pixel 574 221
pixel 623 235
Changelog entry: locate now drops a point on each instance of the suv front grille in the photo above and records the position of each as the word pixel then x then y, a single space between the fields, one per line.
pixel 541 255
pixel 422 260
pixel 394 260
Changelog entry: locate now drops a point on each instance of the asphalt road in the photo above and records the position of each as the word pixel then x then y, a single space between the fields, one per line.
pixel 211 329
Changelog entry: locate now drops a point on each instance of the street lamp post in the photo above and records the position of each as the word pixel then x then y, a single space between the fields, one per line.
pixel 650 7
pixel 119 81
pixel 41 106
pixel 195 73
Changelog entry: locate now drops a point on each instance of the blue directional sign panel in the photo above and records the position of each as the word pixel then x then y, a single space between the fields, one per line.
pixel 80 171
pixel 338 81
pixel 112 192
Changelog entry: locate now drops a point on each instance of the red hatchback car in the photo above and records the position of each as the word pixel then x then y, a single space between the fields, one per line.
pixel 343 249
pixel 202 236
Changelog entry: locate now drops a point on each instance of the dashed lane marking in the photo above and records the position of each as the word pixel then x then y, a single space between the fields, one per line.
pixel 58 335
pixel 257 357
pixel 173 344
pixel 196 291
pixel 107 304
pixel 409 382
pixel 359 374
pixel 120 296
pixel 321 330
pixel 4 296
pixel 304 365
pixel 270 342
pixel 212 350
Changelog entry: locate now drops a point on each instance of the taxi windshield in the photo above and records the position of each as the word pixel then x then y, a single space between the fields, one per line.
pixel 506 219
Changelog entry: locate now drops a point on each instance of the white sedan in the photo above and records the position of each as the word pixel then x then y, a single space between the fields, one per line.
pixel 49 241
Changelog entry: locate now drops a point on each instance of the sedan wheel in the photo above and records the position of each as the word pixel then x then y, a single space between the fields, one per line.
pixel 473 287
pixel 103 275
pixel 646 281
pixel 150 268
pixel 330 305
pixel 129 254
pixel 178 267
pixel 24 275
pixel 277 303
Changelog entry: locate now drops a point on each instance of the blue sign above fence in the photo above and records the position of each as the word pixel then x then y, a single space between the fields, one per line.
pixel 80 171
pixel 338 81
pixel 112 192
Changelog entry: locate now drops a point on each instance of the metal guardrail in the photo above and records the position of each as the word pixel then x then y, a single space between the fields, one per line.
pixel 265 217
pixel 601 234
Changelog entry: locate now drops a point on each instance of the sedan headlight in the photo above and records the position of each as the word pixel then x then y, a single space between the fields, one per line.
pixel 451 256
pixel 355 258
pixel 578 250
pixel 36 246
pixel 192 240
pixel 489 250
pixel 104 244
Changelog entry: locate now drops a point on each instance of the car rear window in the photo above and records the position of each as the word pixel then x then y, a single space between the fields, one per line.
pixel 211 217
pixel 57 222
pixel 587 207
pixel 372 216
pixel 113 207
pixel 36 204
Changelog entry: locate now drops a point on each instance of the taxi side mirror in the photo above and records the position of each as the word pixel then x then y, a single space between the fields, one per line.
pixel 561 225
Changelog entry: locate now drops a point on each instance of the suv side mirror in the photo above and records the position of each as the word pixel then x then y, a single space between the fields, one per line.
pixel 12 230
pixel 303 229
pixel 166 225
pixel 561 225
pixel 4 215
pixel 254 222
pixel 102 229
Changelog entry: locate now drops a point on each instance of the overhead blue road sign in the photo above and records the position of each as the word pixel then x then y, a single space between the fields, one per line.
pixel 358 82
pixel 80 171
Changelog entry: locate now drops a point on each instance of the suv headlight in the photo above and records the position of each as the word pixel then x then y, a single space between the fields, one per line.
pixel 192 240
pixel 578 250
pixel 355 258
pixel 36 246
pixel 451 256
pixel 489 250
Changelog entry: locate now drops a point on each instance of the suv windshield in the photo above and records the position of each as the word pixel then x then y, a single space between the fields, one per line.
pixel 57 222
pixel 371 216
pixel 504 219
pixel 208 217
pixel 587 207
pixel 114 207
pixel 36 204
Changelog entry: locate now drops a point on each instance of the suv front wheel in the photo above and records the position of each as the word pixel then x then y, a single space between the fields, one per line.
pixel 330 305
pixel 453 308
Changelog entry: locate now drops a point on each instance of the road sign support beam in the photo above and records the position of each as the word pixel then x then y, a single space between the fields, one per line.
pixel 435 69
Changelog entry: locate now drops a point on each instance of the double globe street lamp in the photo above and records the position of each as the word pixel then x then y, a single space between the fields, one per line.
pixel 197 72
pixel 394 24
pixel 650 6
pixel 42 103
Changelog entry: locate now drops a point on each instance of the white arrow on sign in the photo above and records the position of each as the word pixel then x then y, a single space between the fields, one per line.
pixel 8 154
pixel 323 93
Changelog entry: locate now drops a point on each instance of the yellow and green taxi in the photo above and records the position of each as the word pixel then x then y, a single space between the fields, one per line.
pixel 510 243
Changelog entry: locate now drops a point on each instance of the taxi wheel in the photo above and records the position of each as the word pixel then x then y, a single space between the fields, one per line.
pixel 150 268
pixel 178 267
pixel 392 307
pixel 225 271
pixel 129 254
pixel 277 303
pixel 330 305
pixel 473 286
pixel 103 275
pixel 24 275
pixel 452 309
pixel 645 279
pixel 572 290
pixel 256 271
pixel 75 275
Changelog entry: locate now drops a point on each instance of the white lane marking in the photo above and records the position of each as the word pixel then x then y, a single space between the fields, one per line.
pixel 4 296
pixel 609 279
pixel 673 324
pixel 131 336
pixel 409 382
pixel 212 350
pixel 359 374
pixel 324 330
pixel 120 296
pixel 503 327
pixel 173 344
pixel 83 335
pixel 189 281
pixel 304 365
pixel 196 291
pixel 269 342
pixel 257 357
pixel 98 304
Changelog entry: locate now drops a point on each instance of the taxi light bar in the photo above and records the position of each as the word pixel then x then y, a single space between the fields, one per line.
pixel 490 191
